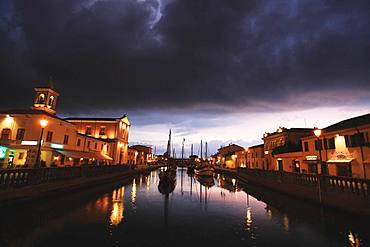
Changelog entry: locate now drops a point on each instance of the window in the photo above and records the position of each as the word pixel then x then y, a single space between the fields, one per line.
pixel 357 140
pixel 78 142
pixel 88 130
pixel 21 155
pixel 88 144
pixel 5 134
pixel 318 145
pixel 66 137
pixel 306 149
pixel 51 101
pixel 96 145
pixel 41 99
pixel 102 131
pixel 325 144
pixel 331 143
pixel 20 134
pixel 49 136
pixel 102 146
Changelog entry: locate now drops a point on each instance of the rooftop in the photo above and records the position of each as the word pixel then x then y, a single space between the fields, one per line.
pixel 349 123
pixel 93 118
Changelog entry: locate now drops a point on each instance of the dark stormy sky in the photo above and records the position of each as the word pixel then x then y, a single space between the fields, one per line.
pixel 221 70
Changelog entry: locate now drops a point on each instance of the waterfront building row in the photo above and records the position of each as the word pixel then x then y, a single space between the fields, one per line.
pixel 344 149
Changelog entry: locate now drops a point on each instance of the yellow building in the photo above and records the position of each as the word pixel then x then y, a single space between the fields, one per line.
pixel 345 149
pixel 132 156
pixel 112 130
pixel 282 140
pixel 227 156
pixel 62 141
pixel 143 154
pixel 256 158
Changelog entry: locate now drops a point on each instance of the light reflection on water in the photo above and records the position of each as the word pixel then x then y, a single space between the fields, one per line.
pixel 198 212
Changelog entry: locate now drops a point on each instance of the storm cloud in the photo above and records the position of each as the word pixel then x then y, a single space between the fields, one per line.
pixel 210 55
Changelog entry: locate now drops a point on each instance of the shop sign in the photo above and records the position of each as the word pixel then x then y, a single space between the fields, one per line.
pixel 311 157
pixel 56 146
pixel 3 152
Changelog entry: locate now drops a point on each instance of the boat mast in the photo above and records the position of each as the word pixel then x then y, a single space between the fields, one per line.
pixel 206 151
pixel 191 149
pixel 182 150
pixel 201 149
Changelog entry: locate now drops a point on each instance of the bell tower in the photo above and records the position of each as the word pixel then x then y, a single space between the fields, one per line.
pixel 46 98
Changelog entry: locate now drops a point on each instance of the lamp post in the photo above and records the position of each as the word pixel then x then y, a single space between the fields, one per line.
pixel 43 124
pixel 318 133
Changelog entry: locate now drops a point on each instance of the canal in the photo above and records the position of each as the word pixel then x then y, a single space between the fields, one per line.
pixel 218 212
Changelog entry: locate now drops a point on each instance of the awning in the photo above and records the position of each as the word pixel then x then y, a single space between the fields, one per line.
pixel 340 161
pixel 84 155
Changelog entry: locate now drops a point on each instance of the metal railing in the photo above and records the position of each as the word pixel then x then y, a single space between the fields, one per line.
pixel 327 183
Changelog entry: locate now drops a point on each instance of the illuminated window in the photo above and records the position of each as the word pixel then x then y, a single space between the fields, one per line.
pixel 20 134
pixel 51 101
pixel 78 142
pixel 41 99
pixel 49 136
pixel 5 134
pixel 66 138
pixel 88 130
pixel 102 131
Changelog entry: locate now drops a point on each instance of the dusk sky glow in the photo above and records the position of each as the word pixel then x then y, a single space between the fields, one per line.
pixel 218 70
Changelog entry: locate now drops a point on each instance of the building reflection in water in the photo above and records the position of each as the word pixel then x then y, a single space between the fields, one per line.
pixel 286 223
pixel 116 216
pixel 248 217
pixel 133 194
pixel 353 239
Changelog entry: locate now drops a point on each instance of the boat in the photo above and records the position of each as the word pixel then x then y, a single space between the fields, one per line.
pixel 205 170
pixel 206 181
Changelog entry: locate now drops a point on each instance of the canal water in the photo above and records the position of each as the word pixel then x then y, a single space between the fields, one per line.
pixel 214 212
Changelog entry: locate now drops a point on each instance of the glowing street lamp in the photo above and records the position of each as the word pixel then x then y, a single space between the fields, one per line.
pixel 43 124
pixel 317 132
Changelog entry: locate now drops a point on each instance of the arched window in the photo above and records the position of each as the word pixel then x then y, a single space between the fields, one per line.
pixel 51 101
pixel 41 99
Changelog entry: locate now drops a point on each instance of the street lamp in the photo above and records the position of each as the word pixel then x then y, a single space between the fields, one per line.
pixel 43 124
pixel 318 133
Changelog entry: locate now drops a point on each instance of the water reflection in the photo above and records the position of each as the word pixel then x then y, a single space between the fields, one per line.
pixel 118 196
pixel 133 194
pixel 223 209
pixel 353 239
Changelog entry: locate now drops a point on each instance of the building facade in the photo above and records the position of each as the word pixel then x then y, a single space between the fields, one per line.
pixel 227 156
pixel 38 134
pixel 144 154
pixel 112 130
pixel 344 146
pixel 256 158
pixel 283 140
